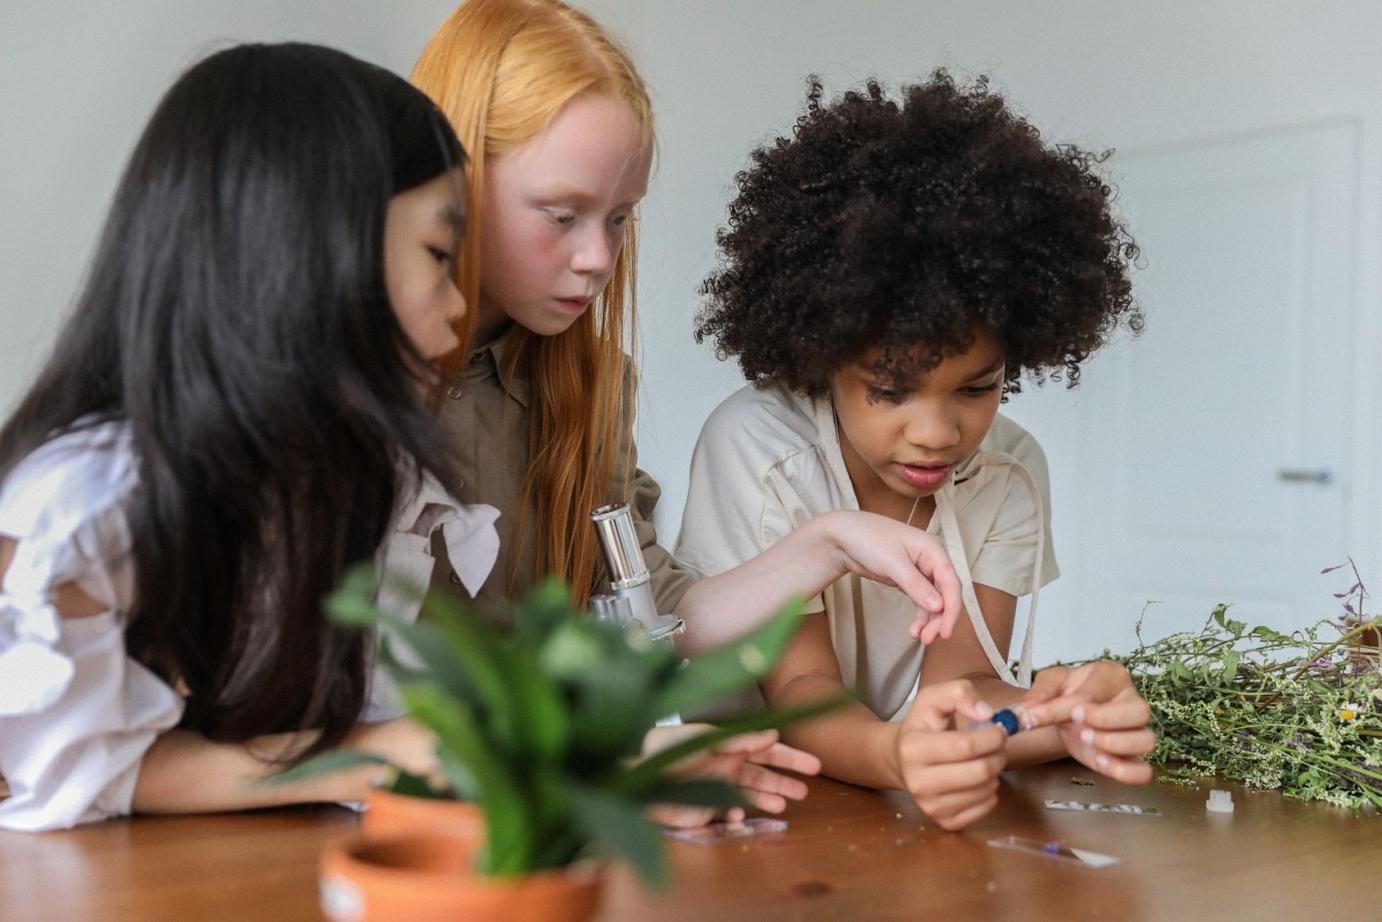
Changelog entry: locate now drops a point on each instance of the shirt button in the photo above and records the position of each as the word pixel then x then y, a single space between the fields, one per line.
pixel 455 392
pixel 455 580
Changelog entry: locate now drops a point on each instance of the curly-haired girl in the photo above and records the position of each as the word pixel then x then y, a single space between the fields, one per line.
pixel 890 272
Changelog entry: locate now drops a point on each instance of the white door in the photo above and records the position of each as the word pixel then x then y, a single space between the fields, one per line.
pixel 1211 450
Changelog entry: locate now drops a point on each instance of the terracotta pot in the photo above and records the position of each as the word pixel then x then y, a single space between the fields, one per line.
pixel 387 813
pixel 428 878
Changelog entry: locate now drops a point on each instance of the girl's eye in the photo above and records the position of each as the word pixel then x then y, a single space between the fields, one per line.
pixel 620 220
pixel 887 394
pixel 562 217
pixel 979 391
pixel 440 256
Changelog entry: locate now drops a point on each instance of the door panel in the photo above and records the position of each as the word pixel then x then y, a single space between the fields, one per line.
pixel 1212 448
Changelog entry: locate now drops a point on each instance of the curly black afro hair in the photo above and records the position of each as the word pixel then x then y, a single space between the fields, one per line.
pixel 906 226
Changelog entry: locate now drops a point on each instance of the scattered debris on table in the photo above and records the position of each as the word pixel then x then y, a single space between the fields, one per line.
pixel 1089 807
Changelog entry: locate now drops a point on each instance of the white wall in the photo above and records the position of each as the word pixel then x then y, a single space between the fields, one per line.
pixel 728 74
pixel 80 79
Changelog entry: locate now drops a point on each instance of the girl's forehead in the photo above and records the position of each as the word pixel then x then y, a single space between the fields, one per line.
pixel 594 144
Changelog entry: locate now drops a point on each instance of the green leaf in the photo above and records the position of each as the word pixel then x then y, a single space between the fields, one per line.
pixel 545 609
pixel 465 751
pixel 695 792
pixel 619 827
pixel 352 603
pixel 545 726
pixel 733 666
pixel 609 684
pixel 410 785
pixel 1230 665
pixel 324 763
pixel 479 651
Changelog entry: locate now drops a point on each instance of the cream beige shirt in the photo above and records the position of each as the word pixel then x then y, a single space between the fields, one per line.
pixel 768 460
pixel 487 420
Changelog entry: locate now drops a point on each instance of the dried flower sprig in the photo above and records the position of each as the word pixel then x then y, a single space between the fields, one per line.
pixel 1298 712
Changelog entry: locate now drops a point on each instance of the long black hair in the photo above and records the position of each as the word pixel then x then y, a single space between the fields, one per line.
pixel 235 316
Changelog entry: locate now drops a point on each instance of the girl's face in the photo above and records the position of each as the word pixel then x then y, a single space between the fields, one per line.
pixel 905 444
pixel 556 211
pixel 422 233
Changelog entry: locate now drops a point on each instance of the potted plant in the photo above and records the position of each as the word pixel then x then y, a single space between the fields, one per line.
pixel 539 727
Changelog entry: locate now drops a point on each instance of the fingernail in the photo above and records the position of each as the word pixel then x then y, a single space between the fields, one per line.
pixel 983 710
pixel 934 603
pixel 1077 713
pixel 1101 761
pixel 1087 736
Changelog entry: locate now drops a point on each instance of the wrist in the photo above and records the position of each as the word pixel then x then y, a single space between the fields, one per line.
pixel 823 542
pixel 887 748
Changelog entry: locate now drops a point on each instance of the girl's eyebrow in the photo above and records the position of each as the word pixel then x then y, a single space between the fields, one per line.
pixel 987 369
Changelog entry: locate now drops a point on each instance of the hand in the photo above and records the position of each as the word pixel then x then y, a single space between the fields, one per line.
pixel 404 742
pixel 1099 715
pixel 889 552
pixel 951 774
pixel 739 760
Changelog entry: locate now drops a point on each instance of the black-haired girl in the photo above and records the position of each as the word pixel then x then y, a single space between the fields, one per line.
pixel 234 413
pixel 890 272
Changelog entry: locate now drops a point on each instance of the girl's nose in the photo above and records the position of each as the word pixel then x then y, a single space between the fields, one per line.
pixel 595 254
pixel 931 428
pixel 456 307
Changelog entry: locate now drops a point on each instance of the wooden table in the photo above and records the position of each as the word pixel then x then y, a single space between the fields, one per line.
pixel 849 854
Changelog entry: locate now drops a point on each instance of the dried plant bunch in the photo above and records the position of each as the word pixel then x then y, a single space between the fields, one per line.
pixel 1299 712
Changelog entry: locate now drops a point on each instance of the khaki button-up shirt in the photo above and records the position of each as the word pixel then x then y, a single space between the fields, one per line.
pixel 487 421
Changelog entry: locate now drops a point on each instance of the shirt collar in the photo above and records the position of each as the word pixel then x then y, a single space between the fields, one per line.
pixel 485 362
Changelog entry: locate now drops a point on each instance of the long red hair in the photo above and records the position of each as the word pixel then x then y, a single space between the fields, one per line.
pixel 501 70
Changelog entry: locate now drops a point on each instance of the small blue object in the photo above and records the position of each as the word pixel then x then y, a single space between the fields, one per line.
pixel 1007 720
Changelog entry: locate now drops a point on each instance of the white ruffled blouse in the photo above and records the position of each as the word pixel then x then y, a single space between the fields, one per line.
pixel 77 713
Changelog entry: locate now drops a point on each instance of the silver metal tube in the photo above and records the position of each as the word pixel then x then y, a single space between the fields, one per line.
pixel 614 524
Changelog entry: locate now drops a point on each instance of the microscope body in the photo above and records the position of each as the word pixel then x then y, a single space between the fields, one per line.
pixel 630 598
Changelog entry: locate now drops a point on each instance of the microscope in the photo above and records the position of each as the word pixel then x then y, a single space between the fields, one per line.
pixel 630 599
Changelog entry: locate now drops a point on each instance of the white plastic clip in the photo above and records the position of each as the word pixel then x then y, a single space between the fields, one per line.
pixel 1219 802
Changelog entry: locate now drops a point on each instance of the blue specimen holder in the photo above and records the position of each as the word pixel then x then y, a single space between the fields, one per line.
pixel 1007 720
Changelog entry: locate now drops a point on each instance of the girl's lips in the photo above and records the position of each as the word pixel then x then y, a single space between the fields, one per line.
pixel 573 305
pixel 924 477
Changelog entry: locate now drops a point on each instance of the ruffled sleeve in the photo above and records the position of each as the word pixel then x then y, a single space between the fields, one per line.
pixel 76 713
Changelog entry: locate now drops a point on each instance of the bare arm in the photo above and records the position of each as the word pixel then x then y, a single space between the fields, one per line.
pixel 853 744
pixel 803 563
pixel 183 772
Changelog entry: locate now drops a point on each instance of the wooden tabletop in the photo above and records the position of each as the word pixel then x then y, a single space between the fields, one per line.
pixel 848 854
